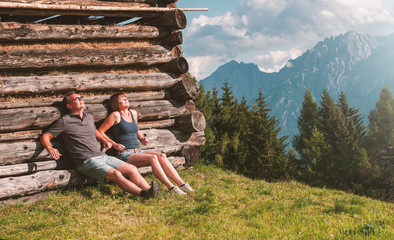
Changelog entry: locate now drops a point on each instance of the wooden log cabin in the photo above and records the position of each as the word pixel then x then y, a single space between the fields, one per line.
pixel 97 48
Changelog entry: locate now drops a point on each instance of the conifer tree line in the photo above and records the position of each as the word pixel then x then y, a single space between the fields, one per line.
pixel 334 147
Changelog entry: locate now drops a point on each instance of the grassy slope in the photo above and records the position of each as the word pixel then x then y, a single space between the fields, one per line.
pixel 225 206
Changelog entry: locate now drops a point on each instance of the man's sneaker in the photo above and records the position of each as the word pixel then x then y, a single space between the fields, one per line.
pixel 176 190
pixel 186 188
pixel 153 191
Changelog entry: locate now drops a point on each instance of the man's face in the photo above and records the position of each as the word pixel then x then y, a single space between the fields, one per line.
pixel 75 103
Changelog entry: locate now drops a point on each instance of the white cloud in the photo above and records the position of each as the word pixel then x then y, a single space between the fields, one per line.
pixel 198 65
pixel 275 60
pixel 272 32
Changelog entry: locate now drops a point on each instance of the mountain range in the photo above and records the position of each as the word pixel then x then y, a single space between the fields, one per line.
pixel 357 64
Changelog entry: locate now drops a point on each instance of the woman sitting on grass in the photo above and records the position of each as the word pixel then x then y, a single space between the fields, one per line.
pixel 126 135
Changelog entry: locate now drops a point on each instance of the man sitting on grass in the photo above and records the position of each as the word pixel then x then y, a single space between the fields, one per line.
pixel 79 135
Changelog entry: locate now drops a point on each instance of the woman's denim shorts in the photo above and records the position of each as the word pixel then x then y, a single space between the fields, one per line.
pixel 124 156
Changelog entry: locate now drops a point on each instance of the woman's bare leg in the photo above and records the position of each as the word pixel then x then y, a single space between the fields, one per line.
pixel 168 168
pixel 144 159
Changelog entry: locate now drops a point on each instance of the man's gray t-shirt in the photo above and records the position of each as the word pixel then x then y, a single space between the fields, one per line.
pixel 78 136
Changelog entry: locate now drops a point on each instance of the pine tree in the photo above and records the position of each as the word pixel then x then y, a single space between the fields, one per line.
pixel 381 139
pixel 267 156
pixel 206 103
pixel 307 122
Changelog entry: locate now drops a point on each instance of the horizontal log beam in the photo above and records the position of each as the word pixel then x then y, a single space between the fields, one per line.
pixel 28 168
pixel 82 8
pixel 175 19
pixel 85 82
pixel 33 151
pixel 173 39
pixel 46 180
pixel 188 123
pixel 193 122
pixel 79 57
pixel 37 118
pixel 134 96
pixel 12 31
pixel 185 89
pixel 176 66
pixel 39 182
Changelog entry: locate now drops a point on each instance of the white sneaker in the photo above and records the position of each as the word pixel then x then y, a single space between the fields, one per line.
pixel 178 191
pixel 186 188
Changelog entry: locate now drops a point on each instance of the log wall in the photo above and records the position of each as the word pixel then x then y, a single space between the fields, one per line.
pixel 96 48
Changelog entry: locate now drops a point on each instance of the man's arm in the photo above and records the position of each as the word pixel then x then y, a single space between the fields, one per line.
pixel 46 142
pixel 103 139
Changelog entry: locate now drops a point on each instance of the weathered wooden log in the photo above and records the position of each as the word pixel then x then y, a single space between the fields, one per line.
pixel 185 89
pixel 177 66
pixel 37 118
pixel 191 155
pixel 45 102
pixel 53 179
pixel 175 19
pixel 193 122
pixel 35 134
pixel 174 39
pixel 28 168
pixel 38 182
pixel 33 151
pixel 84 82
pixel 78 57
pixel 20 135
pixel 12 31
pixel 81 8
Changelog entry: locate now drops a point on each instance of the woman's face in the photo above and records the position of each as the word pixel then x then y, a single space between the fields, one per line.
pixel 123 102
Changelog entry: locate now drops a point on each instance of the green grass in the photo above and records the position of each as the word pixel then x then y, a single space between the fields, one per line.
pixel 225 206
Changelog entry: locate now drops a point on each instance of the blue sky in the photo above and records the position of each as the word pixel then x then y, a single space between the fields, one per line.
pixel 270 32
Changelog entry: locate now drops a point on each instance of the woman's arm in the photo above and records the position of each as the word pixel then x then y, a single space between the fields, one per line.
pixel 140 137
pixel 107 124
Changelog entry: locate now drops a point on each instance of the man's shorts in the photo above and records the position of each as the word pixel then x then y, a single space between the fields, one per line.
pixel 98 167
pixel 125 155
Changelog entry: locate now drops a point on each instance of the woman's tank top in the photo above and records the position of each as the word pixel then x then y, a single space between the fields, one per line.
pixel 125 133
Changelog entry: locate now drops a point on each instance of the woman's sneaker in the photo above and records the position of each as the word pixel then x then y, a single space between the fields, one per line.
pixel 176 190
pixel 186 188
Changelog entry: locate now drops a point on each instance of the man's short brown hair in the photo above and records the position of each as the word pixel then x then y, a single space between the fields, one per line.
pixel 113 100
pixel 66 98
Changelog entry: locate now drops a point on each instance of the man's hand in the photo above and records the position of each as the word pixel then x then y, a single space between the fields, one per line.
pixel 107 145
pixel 118 146
pixel 54 153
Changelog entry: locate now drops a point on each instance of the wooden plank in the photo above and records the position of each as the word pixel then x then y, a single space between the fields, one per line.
pixel 33 151
pixel 39 182
pixel 13 31
pixel 54 179
pixel 28 168
pixel 79 57
pixel 46 102
pixel 35 134
pixel 37 118
pixel 81 8
pixel 85 82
